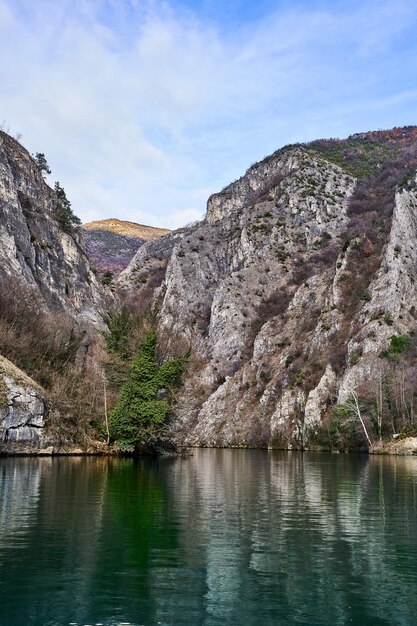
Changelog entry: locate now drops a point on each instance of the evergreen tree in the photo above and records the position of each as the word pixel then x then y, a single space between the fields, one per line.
pixel 139 417
pixel 119 324
pixel 63 212
pixel 42 163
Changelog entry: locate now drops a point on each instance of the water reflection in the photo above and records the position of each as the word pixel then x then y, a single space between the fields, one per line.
pixel 222 537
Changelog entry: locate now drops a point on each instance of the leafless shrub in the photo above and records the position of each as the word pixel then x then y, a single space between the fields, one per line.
pixel 301 272
pixel 325 257
pixel 141 299
pixel 46 347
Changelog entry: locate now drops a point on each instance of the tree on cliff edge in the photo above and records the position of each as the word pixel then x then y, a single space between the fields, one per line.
pixel 42 163
pixel 63 211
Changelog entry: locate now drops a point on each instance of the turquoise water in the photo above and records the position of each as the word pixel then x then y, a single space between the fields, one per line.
pixel 222 537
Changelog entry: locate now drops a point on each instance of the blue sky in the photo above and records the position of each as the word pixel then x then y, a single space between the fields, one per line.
pixel 143 108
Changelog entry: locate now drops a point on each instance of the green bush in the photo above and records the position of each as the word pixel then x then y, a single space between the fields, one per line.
pixel 388 318
pixel 354 358
pixel 399 344
pixel 289 359
pixel 107 278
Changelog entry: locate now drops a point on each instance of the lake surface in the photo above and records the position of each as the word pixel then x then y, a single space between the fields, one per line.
pixel 222 537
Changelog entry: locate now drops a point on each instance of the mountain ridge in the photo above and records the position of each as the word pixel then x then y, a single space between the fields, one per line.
pixel 111 243
pixel 51 311
pixel 297 290
pixel 278 291
pixel 127 228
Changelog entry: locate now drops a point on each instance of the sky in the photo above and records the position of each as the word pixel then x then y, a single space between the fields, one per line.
pixel 144 108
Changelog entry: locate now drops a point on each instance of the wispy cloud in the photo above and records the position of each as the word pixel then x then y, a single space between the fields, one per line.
pixel 143 109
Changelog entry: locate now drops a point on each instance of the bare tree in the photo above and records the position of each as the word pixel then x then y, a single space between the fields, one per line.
pixel 352 405
pixel 106 415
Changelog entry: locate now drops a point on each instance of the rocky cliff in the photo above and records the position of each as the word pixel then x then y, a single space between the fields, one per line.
pixel 22 410
pixel 51 303
pixel 34 249
pixel 291 289
pixel 296 290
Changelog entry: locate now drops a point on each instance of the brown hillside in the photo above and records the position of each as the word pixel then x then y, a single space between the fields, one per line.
pixel 127 229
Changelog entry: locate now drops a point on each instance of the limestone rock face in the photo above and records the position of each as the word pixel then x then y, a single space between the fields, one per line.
pixel 34 249
pixel 22 411
pixel 392 296
pixel 46 270
pixel 225 276
pixel 282 291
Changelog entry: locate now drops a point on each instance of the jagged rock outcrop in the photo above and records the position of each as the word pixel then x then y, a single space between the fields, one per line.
pixel 392 297
pixel 289 289
pixel 22 411
pixel 50 300
pixel 34 249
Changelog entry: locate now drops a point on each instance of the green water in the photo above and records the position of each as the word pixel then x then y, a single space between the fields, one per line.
pixel 222 537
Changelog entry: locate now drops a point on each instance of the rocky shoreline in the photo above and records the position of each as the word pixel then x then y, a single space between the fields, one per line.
pixel 402 447
pixel 399 447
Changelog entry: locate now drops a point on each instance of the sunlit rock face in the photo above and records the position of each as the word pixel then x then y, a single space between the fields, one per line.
pixel 282 289
pixel 34 249
pixel 43 271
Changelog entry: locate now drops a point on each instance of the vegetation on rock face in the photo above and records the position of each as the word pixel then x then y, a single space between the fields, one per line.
pixel 399 344
pixel 119 324
pixel 385 405
pixel 364 155
pixel 42 163
pixel 63 211
pixel 143 370
pixel 138 419
pixel 342 432
pixel 45 347
pixel 107 278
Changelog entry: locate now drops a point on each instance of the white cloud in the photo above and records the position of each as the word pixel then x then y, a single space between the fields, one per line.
pixel 143 111
pixel 6 17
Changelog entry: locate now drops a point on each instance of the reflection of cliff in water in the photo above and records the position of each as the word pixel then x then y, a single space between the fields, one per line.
pixel 313 536
pixel 224 536
pixel 19 496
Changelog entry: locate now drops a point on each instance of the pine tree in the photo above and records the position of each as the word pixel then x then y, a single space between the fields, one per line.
pixel 119 324
pixel 138 419
pixel 63 212
pixel 42 163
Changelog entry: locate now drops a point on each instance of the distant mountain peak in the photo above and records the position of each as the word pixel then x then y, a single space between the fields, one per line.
pixel 127 229
pixel 111 243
